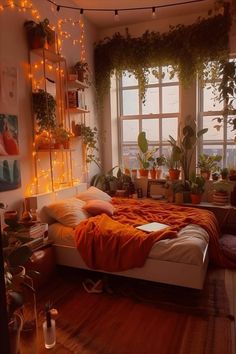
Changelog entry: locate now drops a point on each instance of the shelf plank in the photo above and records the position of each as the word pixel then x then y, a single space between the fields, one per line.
pixel 48 54
pixel 77 84
pixel 77 110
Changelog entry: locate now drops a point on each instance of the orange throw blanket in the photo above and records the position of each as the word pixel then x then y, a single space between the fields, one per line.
pixel 114 244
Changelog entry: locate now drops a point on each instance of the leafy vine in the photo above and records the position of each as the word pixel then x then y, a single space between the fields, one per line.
pixel 187 48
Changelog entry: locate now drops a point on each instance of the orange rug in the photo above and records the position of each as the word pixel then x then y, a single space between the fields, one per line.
pixel 138 317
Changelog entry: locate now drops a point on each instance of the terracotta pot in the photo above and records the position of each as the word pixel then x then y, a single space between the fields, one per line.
pixel 196 198
pixel 206 174
pixel 159 172
pixel 174 174
pixel 153 174
pixel 143 173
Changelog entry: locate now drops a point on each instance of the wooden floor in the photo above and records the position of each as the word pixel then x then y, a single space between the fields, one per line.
pixel 36 346
pixel 230 282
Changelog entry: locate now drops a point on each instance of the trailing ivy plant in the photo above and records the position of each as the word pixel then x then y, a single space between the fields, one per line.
pixel 187 49
pixel 90 137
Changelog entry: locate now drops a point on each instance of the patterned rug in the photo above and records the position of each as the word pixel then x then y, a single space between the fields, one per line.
pixel 138 317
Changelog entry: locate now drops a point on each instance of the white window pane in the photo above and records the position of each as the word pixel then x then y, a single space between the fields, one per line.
pixel 230 133
pixel 212 133
pixel 129 157
pixel 151 105
pixel 151 127
pixel 169 127
pixel 231 156
pixel 130 102
pixel 167 73
pixel 130 130
pixel 128 79
pixel 170 99
pixel 209 102
pixel 153 77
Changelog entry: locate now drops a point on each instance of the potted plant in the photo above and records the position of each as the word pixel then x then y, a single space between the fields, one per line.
pixel 224 172
pixel 145 156
pixel 15 256
pixel 62 137
pixel 184 149
pixel 81 69
pixel 44 108
pixel 208 164
pixel 197 188
pixel 173 164
pixel 39 35
pixel 160 161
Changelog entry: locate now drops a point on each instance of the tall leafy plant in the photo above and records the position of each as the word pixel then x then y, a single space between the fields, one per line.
pixel 185 147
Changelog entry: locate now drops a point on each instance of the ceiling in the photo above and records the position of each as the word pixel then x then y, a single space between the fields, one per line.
pixel 104 19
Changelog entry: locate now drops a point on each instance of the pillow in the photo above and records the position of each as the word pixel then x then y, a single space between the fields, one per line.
pixel 95 207
pixel 68 212
pixel 93 193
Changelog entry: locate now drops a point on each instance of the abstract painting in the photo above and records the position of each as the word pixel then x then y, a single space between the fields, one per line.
pixel 9 144
pixel 10 177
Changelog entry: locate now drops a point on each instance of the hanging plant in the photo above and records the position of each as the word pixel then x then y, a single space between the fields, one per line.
pixel 44 107
pixel 187 48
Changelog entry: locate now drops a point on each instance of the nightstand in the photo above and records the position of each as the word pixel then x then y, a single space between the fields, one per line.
pixel 42 261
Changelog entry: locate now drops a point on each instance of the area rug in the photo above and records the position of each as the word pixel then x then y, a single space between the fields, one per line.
pixel 137 317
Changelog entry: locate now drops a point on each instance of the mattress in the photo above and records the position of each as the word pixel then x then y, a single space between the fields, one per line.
pixel 189 247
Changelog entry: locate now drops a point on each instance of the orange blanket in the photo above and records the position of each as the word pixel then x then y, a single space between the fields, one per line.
pixel 114 244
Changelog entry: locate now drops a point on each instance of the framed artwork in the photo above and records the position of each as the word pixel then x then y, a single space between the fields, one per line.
pixel 10 177
pixel 9 144
pixel 8 87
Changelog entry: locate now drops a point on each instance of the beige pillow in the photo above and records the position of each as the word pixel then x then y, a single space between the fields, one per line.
pixel 96 207
pixel 68 212
pixel 93 193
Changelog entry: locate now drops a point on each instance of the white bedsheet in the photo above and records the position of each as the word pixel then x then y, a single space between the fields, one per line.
pixel 188 247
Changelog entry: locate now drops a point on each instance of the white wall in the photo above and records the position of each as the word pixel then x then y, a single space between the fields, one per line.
pixel 14 50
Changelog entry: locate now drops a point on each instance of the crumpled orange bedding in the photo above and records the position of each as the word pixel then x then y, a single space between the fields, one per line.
pixel 114 244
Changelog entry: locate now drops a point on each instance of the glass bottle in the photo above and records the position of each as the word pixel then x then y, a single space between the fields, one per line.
pixel 49 331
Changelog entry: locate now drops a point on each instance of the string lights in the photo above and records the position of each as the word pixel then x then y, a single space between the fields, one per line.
pixel 117 11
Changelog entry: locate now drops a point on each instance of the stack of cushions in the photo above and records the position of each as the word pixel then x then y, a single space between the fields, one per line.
pixel 70 212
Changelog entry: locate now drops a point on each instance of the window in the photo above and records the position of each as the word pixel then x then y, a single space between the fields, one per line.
pixel 215 141
pixel 158 117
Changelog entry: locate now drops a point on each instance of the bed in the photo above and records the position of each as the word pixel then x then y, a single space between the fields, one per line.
pixel 179 261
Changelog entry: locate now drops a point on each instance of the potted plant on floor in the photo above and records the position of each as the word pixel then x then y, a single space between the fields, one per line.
pixel 197 188
pixel 16 280
pixel 208 164
pixel 145 156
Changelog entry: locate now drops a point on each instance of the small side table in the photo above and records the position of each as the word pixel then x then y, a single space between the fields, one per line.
pixel 42 261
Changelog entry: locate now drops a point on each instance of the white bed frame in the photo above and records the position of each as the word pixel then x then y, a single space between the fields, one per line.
pixel 181 274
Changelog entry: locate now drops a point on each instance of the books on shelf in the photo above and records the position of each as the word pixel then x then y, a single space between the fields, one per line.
pixel 33 230
pixel 32 243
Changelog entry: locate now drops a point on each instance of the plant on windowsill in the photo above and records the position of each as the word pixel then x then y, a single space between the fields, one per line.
pixel 173 164
pixel 208 164
pixel 145 156
pixel 197 184
pixel 157 163
pixel 184 148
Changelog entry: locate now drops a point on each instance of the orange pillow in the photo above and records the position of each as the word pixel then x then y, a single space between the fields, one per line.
pixel 96 207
